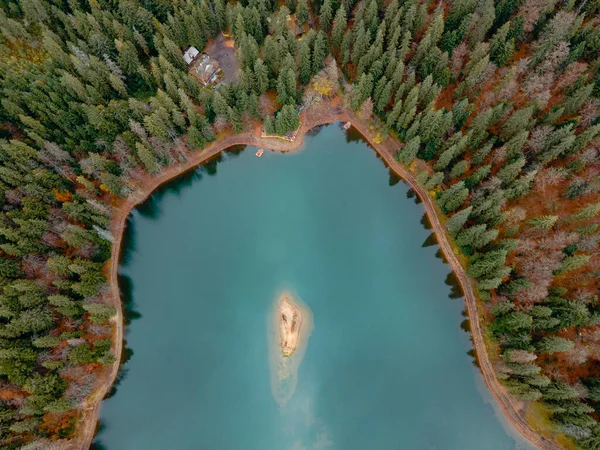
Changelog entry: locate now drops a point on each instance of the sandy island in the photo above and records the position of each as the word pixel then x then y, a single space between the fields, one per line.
pixel 290 322
pixel 289 327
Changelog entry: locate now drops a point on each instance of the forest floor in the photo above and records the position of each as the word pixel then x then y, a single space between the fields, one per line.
pixel 326 112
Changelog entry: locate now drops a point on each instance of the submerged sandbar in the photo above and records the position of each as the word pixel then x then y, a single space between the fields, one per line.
pixel 290 326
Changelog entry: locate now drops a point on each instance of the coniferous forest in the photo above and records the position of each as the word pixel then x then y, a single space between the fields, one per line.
pixel 496 105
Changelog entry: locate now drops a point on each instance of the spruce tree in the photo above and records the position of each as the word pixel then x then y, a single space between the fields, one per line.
pixel 305 63
pixel 320 51
pixel 455 223
pixel 147 157
pixel 326 14
pixel 339 27
pixel 302 12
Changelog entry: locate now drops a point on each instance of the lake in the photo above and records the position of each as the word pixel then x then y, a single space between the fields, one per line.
pixel 204 260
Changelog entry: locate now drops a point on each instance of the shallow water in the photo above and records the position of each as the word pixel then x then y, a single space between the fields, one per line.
pixel 386 364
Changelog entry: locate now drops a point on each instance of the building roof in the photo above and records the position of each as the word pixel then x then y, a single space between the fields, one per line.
pixel 190 55
pixel 207 68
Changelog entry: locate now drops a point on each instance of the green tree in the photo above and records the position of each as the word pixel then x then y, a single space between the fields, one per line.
pixel 476 236
pixel 302 12
pixel 287 120
pixel 339 27
pixel 453 197
pixel 305 63
pixel 261 76
pixel 554 344
pixel 455 223
pixel 147 157
pixel 326 14
pixel 409 152
pixel 483 264
pixel 542 223
pixel 320 51
pixel 286 87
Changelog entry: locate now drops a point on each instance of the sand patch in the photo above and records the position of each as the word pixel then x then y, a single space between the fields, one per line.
pixel 290 324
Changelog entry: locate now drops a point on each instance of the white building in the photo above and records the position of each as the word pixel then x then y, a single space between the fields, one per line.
pixel 190 55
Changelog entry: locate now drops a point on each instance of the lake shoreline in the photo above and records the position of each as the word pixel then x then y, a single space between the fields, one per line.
pixel 329 112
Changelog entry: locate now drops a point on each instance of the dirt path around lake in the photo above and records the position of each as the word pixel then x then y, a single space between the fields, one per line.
pixel 327 113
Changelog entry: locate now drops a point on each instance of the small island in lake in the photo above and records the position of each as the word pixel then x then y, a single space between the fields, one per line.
pixel 290 322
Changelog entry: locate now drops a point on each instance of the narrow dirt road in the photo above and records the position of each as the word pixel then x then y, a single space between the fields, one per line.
pixel 386 150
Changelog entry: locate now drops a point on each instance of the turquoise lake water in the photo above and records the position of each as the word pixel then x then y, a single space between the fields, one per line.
pixel 386 365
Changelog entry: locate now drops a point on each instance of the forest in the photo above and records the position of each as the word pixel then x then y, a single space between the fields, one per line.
pixel 496 104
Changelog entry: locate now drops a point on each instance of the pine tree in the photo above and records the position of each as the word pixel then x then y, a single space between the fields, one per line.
pixel 320 51
pixel 286 87
pixel 455 223
pixel 195 137
pixel 302 12
pixel 542 223
pixel 453 197
pixel 219 8
pixel 554 344
pixel 574 262
pixel 385 96
pixel 147 157
pixel 587 212
pixel 459 169
pixel 518 121
pixel 476 236
pixel 339 27
pixel 287 120
pixel 235 119
pixel 326 14
pixel 305 63
pixel 409 152
pixel 269 125
pixel 361 43
pixel 361 91
pixel 261 77
pixel 485 264
pixel 445 158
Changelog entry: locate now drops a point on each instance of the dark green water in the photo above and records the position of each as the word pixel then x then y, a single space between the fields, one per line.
pixel 386 366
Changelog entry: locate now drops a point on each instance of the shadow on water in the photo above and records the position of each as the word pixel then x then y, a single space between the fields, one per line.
pixel 233 152
pixel 316 130
pixel 430 241
pixel 411 193
pixel 394 179
pixel 127 243
pixel 353 135
pixel 126 287
pixel 456 291
pixel 465 325
pixel 440 254
pixel 210 166
pixel 425 222
pixel 150 209
pixel 129 315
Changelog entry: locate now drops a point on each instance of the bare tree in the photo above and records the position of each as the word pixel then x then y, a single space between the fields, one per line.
pixel 578 355
pixel 366 110
pixel 458 58
pixel 571 74
pixel 590 112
